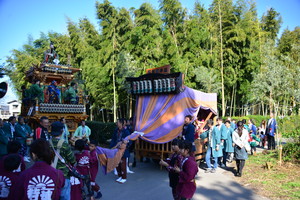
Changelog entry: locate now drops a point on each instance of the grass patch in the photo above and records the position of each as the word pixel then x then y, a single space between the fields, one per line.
pixel 280 182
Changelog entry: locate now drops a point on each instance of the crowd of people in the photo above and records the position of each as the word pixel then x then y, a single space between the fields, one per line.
pixel 61 171
pixel 224 142
pixel 52 93
pixel 65 166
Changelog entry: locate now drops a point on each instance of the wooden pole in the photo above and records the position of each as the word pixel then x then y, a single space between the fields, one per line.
pixel 205 122
pixel 280 154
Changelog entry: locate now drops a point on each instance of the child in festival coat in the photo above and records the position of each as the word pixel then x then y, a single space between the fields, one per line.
pixel 94 168
pixel 188 169
pixel 253 141
pixel 13 147
pixel 170 163
pixel 83 167
pixel 41 181
pixel 8 176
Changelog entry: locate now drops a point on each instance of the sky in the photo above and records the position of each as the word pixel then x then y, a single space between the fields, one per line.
pixel 21 18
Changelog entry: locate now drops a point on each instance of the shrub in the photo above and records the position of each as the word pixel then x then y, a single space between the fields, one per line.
pixel 101 132
pixel 257 119
pixel 290 126
pixel 291 152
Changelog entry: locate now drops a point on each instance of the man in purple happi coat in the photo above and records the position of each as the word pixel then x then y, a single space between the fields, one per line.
pixel 41 181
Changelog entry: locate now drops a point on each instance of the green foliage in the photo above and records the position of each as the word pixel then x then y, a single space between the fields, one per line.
pixel 281 86
pixel 101 132
pixel 146 38
pixel 210 83
pixel 280 182
pixel 291 152
pixel 290 127
pixel 257 119
pixel 271 156
pixel 126 42
pixel 271 23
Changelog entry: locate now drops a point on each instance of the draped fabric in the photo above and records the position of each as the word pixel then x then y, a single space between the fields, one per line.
pixel 159 119
pixel 110 158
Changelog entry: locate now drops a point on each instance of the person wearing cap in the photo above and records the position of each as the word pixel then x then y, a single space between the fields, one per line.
pixel 57 129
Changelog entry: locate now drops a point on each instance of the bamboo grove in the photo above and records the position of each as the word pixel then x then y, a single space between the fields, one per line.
pixel 225 49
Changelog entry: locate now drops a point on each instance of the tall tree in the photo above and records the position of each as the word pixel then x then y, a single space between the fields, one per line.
pixel 223 17
pixel 107 14
pixel 116 26
pixel 173 15
pixel 146 39
pixel 271 23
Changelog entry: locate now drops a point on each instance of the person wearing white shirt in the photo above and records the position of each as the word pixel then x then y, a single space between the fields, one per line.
pixel 240 139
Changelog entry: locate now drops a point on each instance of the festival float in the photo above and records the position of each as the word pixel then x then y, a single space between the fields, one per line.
pixel 162 102
pixel 51 73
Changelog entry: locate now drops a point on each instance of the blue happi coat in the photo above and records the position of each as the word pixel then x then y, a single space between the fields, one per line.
pixel 228 142
pixel 214 141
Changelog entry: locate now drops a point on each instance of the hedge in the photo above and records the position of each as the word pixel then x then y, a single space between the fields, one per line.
pixel 291 152
pixel 290 126
pixel 257 119
pixel 101 132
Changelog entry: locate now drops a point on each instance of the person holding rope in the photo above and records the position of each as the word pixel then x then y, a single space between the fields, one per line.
pixel 187 171
pixel 119 135
pixel 64 149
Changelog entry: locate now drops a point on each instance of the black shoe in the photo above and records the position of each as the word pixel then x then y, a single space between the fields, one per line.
pixel 134 164
pixel 239 174
pixel 99 195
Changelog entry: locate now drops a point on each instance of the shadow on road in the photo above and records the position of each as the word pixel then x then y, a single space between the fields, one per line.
pixel 150 183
